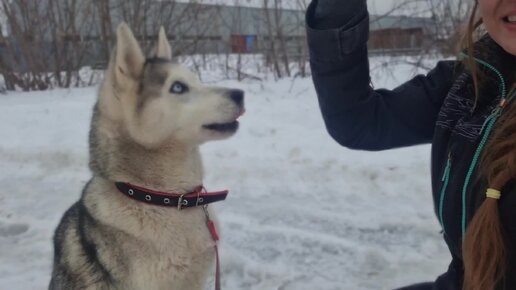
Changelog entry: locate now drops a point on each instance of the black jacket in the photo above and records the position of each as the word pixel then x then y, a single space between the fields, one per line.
pixel 438 108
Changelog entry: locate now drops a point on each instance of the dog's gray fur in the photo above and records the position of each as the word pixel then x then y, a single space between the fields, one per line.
pixel 143 133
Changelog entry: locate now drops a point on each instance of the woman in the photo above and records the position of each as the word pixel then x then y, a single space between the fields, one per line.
pixel 463 108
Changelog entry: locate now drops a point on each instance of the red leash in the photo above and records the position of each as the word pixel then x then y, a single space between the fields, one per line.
pixel 215 236
pixel 180 201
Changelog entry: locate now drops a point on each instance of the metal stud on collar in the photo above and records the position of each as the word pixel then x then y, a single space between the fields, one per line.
pixel 166 201
pixel 131 192
pixel 148 197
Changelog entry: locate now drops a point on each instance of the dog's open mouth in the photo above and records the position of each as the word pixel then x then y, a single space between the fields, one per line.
pixel 222 127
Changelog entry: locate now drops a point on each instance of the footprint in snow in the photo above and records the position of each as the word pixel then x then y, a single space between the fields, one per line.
pixel 8 230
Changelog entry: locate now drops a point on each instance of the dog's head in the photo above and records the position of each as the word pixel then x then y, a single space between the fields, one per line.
pixel 156 100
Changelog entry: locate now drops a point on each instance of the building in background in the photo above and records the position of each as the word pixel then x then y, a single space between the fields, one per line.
pixel 210 28
pixel 401 34
pixel 64 35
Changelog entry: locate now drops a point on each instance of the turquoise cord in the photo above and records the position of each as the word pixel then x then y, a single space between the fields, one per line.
pixel 445 179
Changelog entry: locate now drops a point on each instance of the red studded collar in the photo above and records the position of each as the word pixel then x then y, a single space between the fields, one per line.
pixel 199 197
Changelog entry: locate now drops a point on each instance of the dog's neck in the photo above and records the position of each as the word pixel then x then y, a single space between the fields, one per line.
pixel 175 167
pixel 171 169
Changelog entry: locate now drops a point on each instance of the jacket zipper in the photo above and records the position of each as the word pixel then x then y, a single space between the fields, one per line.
pixel 445 180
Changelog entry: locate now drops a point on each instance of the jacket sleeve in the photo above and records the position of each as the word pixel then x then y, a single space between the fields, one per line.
pixel 452 279
pixel 357 116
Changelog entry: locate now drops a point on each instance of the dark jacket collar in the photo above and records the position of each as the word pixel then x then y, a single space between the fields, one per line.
pixel 488 50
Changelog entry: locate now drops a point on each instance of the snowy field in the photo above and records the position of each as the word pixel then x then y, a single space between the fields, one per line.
pixel 303 213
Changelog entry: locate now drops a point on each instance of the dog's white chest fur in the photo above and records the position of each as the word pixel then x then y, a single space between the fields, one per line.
pixel 170 264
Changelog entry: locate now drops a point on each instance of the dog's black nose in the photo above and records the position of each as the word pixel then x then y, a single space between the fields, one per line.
pixel 237 96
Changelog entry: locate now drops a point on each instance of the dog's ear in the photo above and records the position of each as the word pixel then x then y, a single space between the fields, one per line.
pixel 128 59
pixel 163 49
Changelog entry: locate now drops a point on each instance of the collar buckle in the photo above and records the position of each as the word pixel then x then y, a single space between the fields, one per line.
pixel 181 202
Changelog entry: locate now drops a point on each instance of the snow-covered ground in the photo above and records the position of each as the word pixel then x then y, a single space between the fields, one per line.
pixel 303 212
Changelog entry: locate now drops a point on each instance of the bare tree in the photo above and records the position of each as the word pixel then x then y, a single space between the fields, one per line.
pixel 105 23
pixel 450 18
pixel 49 41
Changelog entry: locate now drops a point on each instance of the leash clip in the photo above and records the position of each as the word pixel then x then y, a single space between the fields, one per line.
pixel 181 202
pixel 206 213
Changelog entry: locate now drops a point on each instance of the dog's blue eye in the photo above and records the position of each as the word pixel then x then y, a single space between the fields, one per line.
pixel 178 88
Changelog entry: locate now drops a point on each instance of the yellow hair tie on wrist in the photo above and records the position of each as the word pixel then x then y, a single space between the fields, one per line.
pixel 493 193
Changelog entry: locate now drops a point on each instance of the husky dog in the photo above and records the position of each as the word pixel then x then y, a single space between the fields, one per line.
pixel 149 120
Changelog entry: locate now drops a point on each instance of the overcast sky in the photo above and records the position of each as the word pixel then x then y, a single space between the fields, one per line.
pixel 384 6
pixel 379 6
pixel 375 6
